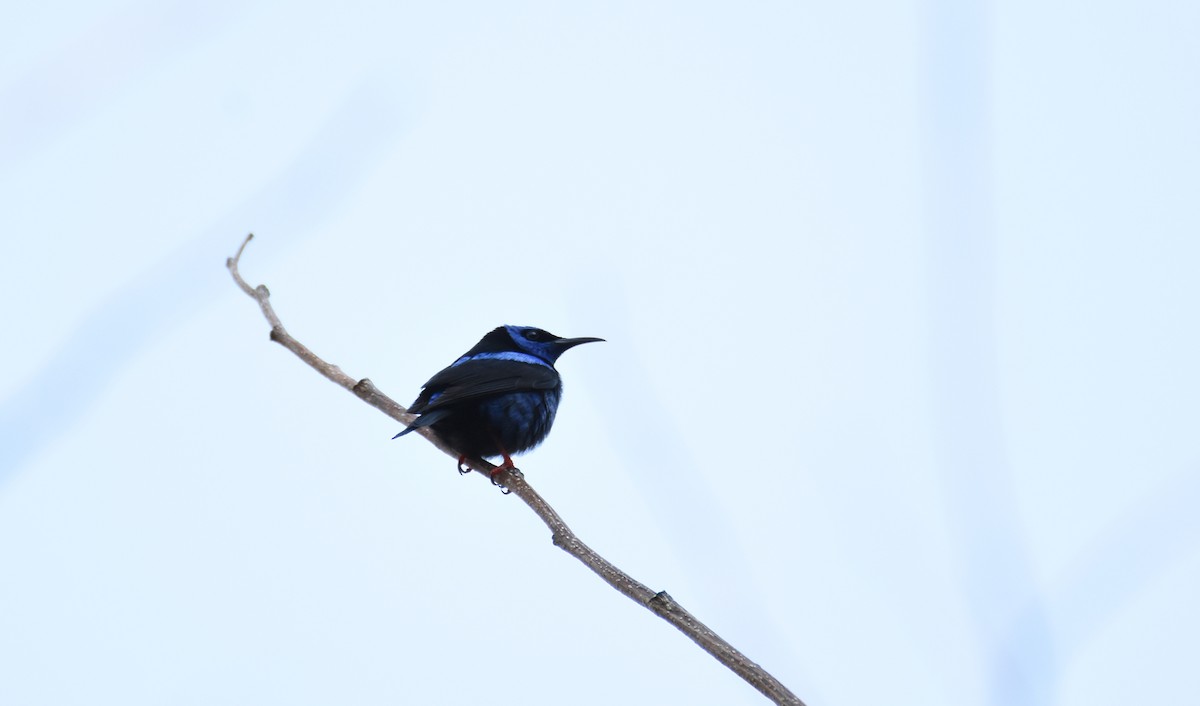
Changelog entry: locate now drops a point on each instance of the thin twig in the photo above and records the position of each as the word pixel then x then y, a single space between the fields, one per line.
pixel 513 481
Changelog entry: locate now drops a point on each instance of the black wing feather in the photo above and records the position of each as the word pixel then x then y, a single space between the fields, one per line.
pixel 477 379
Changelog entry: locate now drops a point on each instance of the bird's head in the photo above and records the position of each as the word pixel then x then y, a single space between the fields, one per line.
pixel 542 344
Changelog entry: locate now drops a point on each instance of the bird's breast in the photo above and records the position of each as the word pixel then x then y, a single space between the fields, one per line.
pixel 522 419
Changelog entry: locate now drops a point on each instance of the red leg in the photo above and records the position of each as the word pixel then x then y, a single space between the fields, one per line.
pixel 508 465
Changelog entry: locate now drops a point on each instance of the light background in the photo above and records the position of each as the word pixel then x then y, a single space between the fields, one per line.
pixel 900 393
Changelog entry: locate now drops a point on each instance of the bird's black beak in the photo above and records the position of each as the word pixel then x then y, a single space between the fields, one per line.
pixel 565 343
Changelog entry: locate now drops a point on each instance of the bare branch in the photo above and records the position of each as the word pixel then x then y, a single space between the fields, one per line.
pixel 513 481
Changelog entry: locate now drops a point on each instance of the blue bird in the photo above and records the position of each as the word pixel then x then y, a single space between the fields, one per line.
pixel 497 399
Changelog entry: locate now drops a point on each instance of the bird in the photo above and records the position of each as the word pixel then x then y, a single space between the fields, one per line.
pixel 497 399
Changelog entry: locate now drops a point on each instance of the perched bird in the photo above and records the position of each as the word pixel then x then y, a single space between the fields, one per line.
pixel 499 398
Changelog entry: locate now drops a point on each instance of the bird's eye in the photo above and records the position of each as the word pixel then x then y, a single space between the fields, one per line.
pixel 533 335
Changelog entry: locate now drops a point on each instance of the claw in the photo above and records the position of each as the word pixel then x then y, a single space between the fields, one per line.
pixel 463 469
pixel 506 466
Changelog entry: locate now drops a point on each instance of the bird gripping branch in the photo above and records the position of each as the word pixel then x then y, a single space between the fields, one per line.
pixel 499 398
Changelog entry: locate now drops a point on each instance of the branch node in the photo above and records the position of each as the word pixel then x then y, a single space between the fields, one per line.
pixel 660 601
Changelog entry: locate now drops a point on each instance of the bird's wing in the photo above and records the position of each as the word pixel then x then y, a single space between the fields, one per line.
pixel 476 379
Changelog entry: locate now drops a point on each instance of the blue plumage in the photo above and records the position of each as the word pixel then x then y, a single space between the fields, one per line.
pixel 500 397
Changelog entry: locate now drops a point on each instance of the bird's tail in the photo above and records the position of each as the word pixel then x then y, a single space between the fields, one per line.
pixel 424 420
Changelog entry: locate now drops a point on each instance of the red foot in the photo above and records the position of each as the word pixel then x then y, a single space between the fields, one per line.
pixel 508 465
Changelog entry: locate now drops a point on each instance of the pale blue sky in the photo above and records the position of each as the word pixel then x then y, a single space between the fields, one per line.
pixel 899 393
